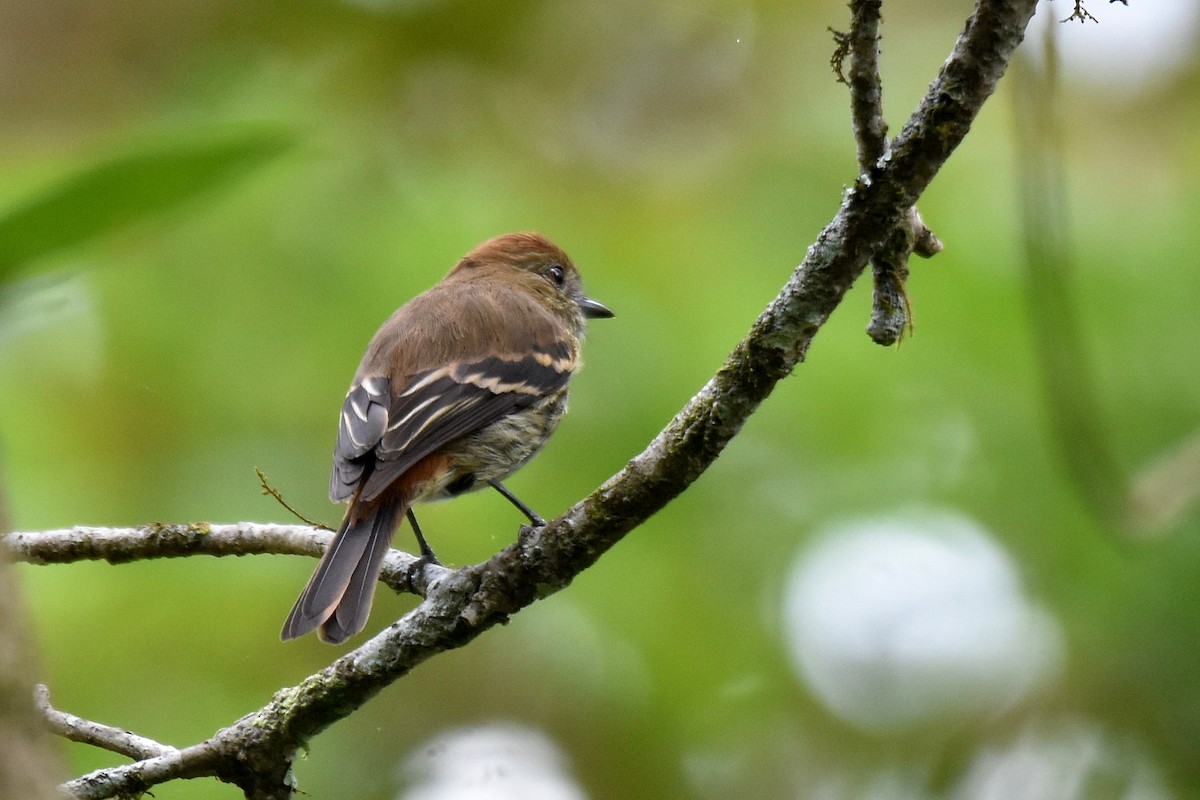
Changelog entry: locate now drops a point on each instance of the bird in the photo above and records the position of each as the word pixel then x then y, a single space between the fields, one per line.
pixel 457 390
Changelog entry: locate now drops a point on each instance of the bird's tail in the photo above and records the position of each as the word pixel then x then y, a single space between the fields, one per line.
pixel 337 599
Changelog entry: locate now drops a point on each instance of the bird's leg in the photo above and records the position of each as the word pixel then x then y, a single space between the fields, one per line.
pixel 534 517
pixel 427 554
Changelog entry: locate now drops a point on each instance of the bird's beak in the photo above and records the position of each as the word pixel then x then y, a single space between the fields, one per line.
pixel 593 310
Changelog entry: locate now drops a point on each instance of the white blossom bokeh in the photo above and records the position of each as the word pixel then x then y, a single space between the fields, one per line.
pixel 906 619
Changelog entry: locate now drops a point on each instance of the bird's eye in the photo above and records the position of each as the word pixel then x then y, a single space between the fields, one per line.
pixel 556 275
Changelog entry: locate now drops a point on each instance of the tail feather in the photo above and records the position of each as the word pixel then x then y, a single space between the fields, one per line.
pixel 337 599
pixel 350 615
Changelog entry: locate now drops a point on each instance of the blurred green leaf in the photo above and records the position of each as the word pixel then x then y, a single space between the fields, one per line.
pixel 130 188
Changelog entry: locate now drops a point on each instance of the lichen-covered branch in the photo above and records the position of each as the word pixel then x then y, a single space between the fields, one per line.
pixel 157 540
pixel 78 729
pixel 255 753
pixel 866 85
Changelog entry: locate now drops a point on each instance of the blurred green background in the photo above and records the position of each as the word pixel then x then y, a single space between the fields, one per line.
pixel 207 209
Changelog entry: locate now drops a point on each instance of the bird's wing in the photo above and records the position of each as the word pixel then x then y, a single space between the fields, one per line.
pixel 362 424
pixel 391 427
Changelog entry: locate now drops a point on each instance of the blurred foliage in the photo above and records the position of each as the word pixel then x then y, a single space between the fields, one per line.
pixel 127 189
pixel 336 158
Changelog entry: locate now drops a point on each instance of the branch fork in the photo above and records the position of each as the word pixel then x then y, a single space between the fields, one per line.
pixel 891 309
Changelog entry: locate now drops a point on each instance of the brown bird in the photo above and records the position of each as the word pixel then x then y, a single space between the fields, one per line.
pixel 457 390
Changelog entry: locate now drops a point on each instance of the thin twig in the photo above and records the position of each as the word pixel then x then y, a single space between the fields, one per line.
pixel 267 488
